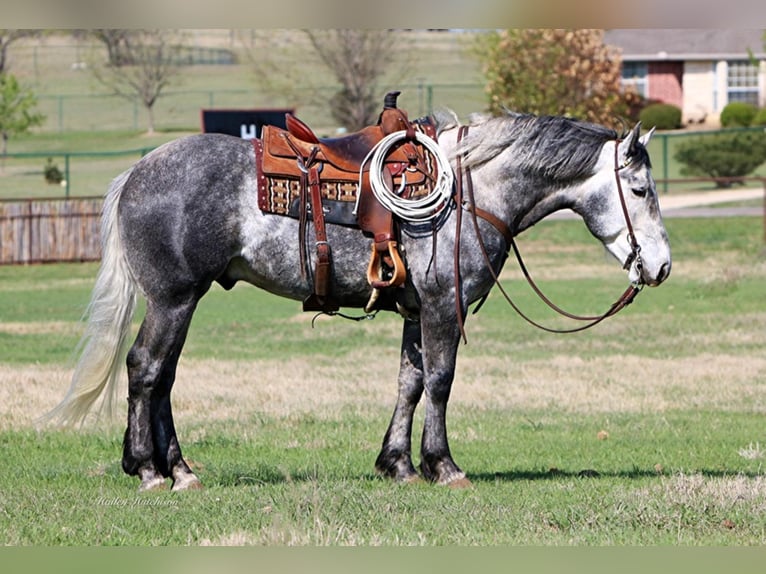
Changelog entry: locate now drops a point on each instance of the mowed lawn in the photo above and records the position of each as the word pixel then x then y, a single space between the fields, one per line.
pixel 648 429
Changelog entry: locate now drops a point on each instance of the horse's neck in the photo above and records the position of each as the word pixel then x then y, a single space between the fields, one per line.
pixel 519 200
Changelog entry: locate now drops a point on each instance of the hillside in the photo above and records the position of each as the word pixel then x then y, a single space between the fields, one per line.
pixel 273 68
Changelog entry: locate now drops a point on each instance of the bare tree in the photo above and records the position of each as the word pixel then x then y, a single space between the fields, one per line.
pixel 116 41
pixel 149 63
pixel 7 37
pixel 358 59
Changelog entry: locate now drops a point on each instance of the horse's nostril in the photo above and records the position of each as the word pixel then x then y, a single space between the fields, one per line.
pixel 663 272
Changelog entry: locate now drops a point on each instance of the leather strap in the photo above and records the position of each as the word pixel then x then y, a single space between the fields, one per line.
pixel 459 311
pixel 322 269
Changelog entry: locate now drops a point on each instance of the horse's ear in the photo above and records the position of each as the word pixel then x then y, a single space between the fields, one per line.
pixel 628 145
pixel 644 139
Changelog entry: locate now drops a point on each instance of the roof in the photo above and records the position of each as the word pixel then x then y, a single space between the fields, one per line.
pixel 658 44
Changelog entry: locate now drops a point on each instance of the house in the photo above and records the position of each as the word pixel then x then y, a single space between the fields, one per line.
pixel 700 71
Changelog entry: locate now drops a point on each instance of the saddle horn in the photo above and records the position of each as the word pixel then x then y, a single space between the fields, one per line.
pixel 389 102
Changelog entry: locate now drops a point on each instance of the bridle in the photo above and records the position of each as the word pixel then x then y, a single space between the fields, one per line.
pixel 468 203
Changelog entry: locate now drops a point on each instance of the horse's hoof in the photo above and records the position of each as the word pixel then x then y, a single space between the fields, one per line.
pixel 150 484
pixel 187 483
pixel 460 483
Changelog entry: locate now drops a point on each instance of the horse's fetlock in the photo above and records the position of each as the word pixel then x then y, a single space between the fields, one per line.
pixel 396 464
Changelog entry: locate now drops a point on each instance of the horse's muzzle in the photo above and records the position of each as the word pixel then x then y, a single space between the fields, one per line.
pixel 652 280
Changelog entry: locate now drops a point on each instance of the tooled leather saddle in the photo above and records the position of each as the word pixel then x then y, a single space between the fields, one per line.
pixel 327 180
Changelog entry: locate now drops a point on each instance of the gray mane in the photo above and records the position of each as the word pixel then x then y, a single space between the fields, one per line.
pixel 558 148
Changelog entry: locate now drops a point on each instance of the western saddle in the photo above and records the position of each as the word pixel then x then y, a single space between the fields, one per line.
pixel 328 179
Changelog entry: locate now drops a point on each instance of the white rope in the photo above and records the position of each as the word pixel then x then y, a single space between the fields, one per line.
pixel 416 210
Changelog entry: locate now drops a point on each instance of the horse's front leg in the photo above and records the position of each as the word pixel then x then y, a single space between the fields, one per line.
pixel 440 337
pixel 395 458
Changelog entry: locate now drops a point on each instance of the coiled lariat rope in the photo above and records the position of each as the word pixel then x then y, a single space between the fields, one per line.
pixel 414 210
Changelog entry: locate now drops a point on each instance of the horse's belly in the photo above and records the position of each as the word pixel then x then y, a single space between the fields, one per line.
pixel 272 261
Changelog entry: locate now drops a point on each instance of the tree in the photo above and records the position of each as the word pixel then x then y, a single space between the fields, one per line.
pixel 295 67
pixel 148 64
pixel 556 72
pixel 7 37
pixel 16 109
pixel 358 59
pixel 116 42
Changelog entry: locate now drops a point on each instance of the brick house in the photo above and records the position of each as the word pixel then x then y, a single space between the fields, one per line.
pixel 700 71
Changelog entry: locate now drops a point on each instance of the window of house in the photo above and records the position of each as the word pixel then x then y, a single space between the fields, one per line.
pixel 636 75
pixel 742 82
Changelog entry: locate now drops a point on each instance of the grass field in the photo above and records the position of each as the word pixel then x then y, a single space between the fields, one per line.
pixel 645 430
pixel 82 117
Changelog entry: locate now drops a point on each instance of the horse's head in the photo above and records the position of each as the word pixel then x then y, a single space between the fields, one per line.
pixel 622 209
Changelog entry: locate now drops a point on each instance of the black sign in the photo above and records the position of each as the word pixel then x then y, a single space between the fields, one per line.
pixel 246 124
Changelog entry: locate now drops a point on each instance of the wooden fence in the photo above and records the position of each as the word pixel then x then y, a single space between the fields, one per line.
pixel 48 230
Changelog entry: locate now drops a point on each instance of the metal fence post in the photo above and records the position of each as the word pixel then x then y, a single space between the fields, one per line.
pixel 66 175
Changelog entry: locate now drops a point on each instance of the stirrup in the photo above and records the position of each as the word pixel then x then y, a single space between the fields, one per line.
pixel 375 268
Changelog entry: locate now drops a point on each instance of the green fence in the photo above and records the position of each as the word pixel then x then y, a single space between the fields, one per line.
pixel 84 173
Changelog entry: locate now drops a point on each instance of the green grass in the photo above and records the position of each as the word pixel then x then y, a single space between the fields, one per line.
pixel 674 473
pixel 532 485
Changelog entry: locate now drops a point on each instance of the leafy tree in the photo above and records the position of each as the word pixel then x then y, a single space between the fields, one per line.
pixel 16 109
pixel 556 72
pixel 148 63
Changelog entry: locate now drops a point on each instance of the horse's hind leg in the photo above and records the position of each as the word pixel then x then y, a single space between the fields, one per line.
pixel 395 458
pixel 150 447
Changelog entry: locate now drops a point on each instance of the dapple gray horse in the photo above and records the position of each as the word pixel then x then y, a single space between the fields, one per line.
pixel 186 215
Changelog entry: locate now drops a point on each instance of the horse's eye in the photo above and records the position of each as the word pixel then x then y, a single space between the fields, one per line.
pixel 639 191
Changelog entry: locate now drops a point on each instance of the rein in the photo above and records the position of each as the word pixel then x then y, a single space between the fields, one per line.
pixel 470 205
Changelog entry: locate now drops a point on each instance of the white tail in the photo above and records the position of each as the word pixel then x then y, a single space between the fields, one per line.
pixel 109 316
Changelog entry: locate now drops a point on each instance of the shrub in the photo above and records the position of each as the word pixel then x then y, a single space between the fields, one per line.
pixel 760 118
pixel 52 172
pixel 738 114
pixel 728 155
pixel 661 116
